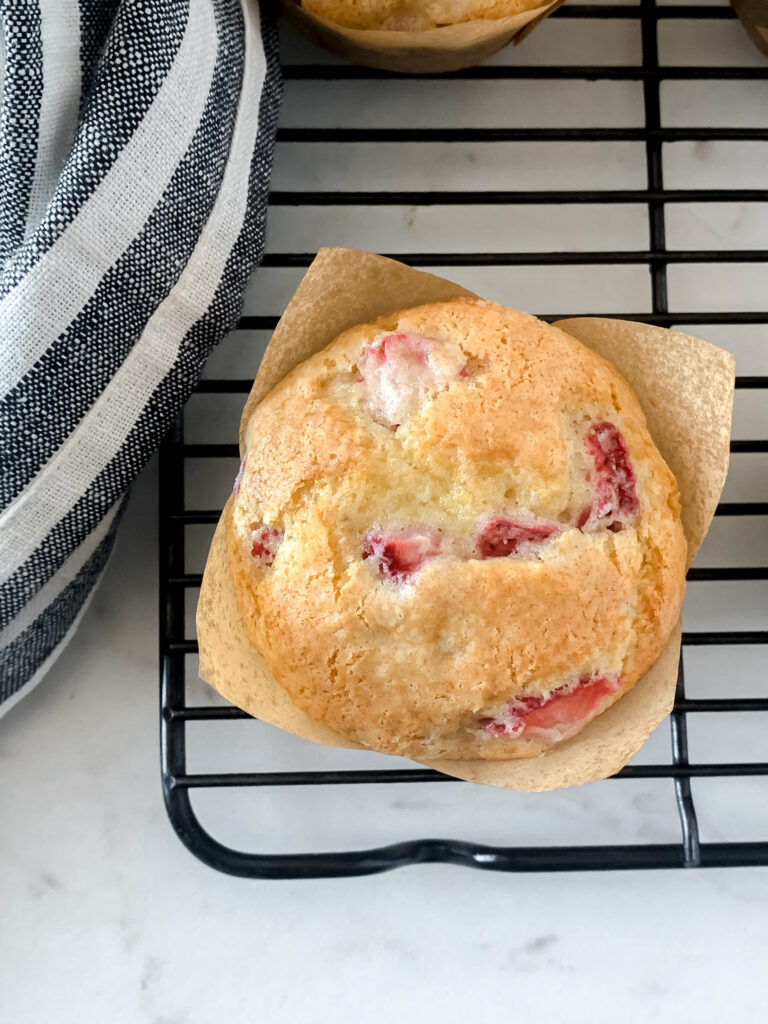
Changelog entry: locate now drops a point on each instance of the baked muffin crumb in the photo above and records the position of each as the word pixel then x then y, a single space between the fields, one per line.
pixel 453 535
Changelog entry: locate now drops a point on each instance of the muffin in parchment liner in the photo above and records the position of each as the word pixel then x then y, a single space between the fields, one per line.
pixel 684 387
pixel 419 36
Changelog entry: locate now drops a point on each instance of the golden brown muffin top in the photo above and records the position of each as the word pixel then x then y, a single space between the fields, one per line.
pixel 453 534
pixel 413 15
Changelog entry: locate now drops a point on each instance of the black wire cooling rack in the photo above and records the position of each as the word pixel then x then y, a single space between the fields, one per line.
pixel 176 584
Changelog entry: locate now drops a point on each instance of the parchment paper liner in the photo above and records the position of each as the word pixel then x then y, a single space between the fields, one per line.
pixel 753 15
pixel 433 50
pixel 685 387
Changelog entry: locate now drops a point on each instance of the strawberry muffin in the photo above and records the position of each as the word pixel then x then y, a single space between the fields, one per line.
pixel 413 15
pixel 453 536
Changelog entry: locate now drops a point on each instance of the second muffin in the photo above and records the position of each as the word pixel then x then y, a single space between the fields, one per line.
pixel 413 15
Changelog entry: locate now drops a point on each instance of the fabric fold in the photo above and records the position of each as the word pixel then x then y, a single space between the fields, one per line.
pixel 112 302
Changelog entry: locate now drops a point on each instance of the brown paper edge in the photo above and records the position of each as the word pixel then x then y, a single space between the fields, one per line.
pixel 753 15
pixel 685 386
pixel 449 48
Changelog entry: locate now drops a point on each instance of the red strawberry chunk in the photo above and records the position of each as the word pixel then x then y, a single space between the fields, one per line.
pixel 615 479
pixel 555 716
pixel 401 371
pixel 265 541
pixel 399 553
pixel 583 517
pixel 501 536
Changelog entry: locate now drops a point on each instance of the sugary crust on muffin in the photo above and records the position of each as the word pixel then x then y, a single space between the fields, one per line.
pixel 413 15
pixel 409 667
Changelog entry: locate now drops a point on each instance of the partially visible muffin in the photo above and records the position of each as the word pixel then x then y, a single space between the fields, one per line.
pixel 453 535
pixel 412 15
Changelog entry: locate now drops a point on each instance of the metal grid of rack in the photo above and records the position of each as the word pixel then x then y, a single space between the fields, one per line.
pixel 176 582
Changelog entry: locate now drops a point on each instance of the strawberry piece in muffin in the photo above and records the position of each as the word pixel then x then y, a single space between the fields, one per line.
pixel 399 553
pixel 554 716
pixel 265 541
pixel 401 371
pixel 500 537
pixel 615 502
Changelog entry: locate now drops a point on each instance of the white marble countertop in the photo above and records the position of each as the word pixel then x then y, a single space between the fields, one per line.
pixel 106 917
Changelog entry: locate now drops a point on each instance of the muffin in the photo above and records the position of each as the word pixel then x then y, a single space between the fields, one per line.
pixel 413 15
pixel 453 536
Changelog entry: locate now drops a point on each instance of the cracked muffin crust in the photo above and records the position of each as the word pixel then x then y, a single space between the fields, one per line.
pixel 453 536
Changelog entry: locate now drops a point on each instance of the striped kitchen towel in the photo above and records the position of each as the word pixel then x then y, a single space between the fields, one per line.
pixel 135 149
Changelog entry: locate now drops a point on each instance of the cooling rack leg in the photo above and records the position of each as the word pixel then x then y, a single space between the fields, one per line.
pixel 685 806
pixel 172 627
pixel 653 154
pixel 658 272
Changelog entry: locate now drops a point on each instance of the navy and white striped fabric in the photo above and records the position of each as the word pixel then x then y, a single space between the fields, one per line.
pixel 135 148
